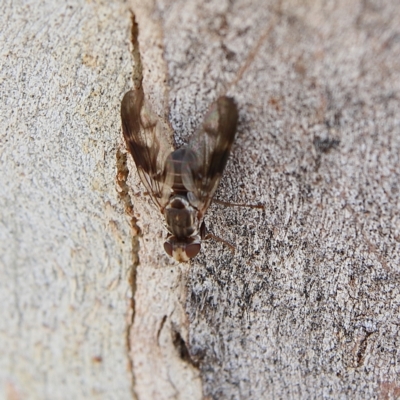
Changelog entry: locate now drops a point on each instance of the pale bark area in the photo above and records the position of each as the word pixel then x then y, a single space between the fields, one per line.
pixel 307 307
pixel 65 246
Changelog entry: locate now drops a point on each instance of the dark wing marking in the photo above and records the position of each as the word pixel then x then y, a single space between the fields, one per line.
pixel 146 137
pixel 208 151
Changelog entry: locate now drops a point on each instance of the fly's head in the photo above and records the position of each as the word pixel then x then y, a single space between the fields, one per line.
pixel 182 249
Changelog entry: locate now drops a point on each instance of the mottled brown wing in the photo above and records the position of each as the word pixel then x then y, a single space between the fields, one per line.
pixel 146 137
pixel 208 151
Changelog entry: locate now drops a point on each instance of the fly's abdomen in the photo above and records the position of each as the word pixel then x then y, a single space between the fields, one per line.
pixel 181 217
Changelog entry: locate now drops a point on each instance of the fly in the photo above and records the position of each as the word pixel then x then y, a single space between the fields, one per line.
pixel 181 182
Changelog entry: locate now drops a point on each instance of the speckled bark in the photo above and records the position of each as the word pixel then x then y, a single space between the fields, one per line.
pixel 308 306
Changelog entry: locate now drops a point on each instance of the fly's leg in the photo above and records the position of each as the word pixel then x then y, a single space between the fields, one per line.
pixel 207 236
pixel 228 204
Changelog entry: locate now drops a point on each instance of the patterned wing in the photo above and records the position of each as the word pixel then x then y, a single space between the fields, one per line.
pixel 208 151
pixel 146 137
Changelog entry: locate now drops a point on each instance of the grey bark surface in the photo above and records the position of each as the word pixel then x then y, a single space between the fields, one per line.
pixel 306 307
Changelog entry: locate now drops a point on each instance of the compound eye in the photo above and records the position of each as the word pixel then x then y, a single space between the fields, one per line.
pixel 192 250
pixel 168 248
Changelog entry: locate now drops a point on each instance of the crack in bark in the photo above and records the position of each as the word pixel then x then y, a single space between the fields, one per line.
pixel 182 348
pixel 360 356
pixel 137 73
pixel 122 175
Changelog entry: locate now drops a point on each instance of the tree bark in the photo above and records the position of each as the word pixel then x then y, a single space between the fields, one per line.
pixel 65 240
pixel 308 304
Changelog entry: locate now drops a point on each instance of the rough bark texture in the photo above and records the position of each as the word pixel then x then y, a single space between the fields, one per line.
pixel 307 307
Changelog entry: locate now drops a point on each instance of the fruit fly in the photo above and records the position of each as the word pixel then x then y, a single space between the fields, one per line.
pixel 183 181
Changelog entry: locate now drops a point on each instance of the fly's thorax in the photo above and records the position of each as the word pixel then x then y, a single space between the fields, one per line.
pixel 179 166
pixel 181 217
